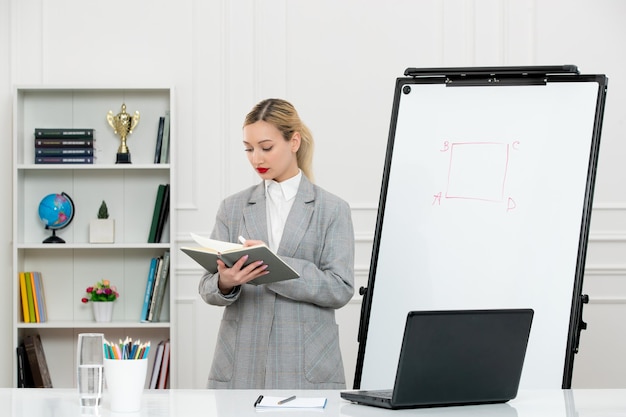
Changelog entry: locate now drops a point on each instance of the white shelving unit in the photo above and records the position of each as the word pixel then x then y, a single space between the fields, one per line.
pixel 129 191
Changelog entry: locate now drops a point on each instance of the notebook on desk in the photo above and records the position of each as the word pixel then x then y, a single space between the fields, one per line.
pixel 456 357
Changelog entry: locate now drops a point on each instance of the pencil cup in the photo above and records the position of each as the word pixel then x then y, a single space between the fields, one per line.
pixel 125 380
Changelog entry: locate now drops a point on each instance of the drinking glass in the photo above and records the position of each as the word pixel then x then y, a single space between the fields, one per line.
pixel 90 365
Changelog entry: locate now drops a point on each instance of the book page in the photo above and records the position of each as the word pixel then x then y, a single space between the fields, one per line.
pixel 217 245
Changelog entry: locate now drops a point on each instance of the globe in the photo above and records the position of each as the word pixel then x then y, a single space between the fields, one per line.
pixel 56 211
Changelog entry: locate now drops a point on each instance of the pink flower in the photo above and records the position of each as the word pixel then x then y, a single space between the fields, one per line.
pixel 101 291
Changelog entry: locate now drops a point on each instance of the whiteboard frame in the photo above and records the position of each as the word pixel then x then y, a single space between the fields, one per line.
pixel 492 77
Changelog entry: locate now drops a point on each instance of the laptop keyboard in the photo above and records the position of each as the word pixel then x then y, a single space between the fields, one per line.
pixel 385 393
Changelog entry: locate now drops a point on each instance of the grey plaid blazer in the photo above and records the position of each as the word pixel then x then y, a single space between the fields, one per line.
pixel 284 335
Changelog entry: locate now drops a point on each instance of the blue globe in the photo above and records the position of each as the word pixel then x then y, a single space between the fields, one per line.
pixel 56 211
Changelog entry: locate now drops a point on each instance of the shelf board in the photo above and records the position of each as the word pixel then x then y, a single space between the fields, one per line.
pixel 114 167
pixel 88 324
pixel 94 246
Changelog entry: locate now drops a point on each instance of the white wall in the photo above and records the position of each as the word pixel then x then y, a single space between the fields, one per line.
pixel 337 62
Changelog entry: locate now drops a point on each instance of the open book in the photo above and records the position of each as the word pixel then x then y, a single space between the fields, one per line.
pixel 211 250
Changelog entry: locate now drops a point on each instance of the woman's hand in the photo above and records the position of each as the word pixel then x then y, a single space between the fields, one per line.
pixel 229 278
pixel 250 242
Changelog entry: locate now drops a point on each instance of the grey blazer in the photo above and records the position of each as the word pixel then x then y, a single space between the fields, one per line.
pixel 284 335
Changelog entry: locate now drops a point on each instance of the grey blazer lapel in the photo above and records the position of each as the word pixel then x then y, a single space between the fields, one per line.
pixel 255 215
pixel 298 219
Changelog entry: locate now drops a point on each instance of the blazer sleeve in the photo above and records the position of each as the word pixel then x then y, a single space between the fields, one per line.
pixel 329 282
pixel 208 288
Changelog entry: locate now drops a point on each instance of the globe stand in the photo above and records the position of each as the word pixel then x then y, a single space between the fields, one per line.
pixel 56 211
pixel 54 238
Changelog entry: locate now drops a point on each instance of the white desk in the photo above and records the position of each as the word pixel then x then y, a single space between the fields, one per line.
pixel 238 403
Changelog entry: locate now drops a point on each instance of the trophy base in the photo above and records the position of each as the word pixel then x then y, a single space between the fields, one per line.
pixel 123 158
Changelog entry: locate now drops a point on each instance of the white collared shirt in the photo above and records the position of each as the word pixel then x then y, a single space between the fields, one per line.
pixel 279 200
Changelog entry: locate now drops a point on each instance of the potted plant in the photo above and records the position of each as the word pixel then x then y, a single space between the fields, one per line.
pixel 102 229
pixel 102 295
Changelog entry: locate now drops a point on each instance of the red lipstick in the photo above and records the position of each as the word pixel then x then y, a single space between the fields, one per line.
pixel 262 170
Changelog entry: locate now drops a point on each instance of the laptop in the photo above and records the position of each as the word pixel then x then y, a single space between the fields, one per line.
pixel 456 357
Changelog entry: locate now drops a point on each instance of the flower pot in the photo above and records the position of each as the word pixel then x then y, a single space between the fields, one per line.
pixel 102 311
pixel 102 231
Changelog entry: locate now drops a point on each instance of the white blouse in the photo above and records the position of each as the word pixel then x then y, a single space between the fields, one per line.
pixel 279 200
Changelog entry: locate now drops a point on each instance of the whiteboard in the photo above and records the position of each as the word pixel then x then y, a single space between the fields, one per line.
pixel 485 202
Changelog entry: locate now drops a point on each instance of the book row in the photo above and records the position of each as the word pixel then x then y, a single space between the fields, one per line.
pixel 75 145
pixel 33 301
pixel 156 285
pixel 33 372
pixel 32 297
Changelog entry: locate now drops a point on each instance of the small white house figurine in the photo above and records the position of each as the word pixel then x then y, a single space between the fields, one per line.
pixel 102 229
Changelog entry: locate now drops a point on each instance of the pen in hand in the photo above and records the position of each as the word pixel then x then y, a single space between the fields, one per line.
pixel 242 240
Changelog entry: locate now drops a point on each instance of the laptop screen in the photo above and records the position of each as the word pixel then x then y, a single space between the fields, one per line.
pixel 462 356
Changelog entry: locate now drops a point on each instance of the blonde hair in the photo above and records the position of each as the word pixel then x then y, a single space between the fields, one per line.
pixel 283 115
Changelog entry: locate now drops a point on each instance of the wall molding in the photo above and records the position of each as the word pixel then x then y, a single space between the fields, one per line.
pixel 607 300
pixel 606 269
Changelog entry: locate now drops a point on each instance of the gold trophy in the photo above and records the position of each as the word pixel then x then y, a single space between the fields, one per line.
pixel 123 125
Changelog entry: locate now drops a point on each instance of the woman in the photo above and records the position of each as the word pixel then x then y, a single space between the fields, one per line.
pixel 283 334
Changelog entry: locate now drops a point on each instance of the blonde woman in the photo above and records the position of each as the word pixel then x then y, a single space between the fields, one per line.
pixel 283 334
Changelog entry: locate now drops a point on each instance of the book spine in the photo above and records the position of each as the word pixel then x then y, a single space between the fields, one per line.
pixel 40 297
pixel 42 362
pixel 31 355
pixel 42 152
pixel 159 140
pixel 31 306
pixel 162 286
pixel 64 160
pixel 24 293
pixel 64 143
pixel 163 214
pixel 155 215
pixel 157 277
pixel 35 297
pixel 148 293
pixel 165 366
pixel 156 367
pixel 165 146
pixel 21 369
pixel 63 133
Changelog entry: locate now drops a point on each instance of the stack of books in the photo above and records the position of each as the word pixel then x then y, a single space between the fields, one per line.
pixel 64 146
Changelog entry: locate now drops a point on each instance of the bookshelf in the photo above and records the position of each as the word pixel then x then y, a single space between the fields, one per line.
pixel 129 190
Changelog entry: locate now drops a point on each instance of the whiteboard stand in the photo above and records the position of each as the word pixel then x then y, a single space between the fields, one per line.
pixel 485 203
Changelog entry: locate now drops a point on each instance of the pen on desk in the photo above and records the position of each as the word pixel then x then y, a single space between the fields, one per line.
pixel 286 400
pixel 258 400
pixel 242 240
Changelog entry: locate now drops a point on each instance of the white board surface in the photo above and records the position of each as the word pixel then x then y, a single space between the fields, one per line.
pixel 483 209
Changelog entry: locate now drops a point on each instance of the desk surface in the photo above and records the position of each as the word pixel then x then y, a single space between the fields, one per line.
pixel 238 403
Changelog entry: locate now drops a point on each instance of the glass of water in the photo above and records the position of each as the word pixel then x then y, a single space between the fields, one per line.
pixel 90 365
